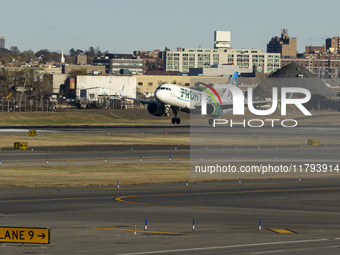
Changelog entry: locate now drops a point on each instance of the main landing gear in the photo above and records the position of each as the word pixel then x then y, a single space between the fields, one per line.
pixel 175 120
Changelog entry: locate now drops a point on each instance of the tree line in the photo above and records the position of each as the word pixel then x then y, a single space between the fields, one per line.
pixel 13 56
pixel 26 84
pixel 30 82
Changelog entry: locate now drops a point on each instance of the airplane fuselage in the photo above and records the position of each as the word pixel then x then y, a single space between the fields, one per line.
pixel 178 96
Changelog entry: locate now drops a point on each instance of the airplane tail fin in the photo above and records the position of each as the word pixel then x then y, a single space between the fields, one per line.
pixel 122 92
pixel 227 96
pixel 234 79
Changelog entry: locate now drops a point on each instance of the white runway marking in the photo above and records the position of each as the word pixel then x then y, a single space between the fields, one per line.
pixel 230 246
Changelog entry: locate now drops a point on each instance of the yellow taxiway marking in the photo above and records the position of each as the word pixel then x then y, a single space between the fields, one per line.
pixel 143 231
pixel 281 230
pixel 52 199
pixel 122 199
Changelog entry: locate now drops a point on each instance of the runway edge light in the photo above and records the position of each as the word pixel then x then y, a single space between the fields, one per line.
pixel 260 225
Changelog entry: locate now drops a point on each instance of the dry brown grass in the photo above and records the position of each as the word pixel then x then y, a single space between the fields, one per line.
pixel 102 175
pixel 80 139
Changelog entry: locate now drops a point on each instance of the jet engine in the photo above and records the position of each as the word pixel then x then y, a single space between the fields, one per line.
pixel 214 110
pixel 156 108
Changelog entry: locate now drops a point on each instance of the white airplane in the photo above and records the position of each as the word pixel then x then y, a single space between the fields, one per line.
pixel 189 100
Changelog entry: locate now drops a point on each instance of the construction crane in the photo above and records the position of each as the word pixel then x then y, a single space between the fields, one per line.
pixel 22 95
pixel 6 98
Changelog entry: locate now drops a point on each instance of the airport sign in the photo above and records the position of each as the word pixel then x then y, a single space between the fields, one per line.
pixel 32 132
pixel 24 235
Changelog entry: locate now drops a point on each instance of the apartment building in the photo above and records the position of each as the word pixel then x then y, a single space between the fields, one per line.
pixel 285 45
pixel 120 64
pixel 184 59
pixel 333 45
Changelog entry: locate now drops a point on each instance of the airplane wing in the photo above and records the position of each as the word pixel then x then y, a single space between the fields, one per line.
pixel 134 99
pixel 139 100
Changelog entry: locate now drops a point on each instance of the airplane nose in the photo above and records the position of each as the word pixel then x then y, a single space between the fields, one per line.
pixel 155 94
pixel 159 95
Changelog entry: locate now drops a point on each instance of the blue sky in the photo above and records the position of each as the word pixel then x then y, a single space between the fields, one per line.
pixel 127 25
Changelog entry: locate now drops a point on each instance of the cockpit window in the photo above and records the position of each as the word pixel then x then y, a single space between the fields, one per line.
pixel 162 88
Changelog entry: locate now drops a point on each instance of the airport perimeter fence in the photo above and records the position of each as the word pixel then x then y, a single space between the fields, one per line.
pixel 27 106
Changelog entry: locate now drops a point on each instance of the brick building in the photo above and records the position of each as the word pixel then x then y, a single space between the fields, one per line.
pixel 323 61
pixel 284 45
pixel 333 45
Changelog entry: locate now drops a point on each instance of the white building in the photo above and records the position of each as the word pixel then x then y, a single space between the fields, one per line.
pixel 222 54
pixel 222 39
pixel 93 87
pixel 185 59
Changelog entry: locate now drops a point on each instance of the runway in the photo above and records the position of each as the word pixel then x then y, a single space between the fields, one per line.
pixel 296 217
pixel 101 219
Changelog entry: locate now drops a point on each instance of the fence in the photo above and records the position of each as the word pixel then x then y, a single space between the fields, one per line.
pixel 27 106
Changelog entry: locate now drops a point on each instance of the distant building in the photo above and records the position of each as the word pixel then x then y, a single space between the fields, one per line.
pixel 62 59
pixel 81 59
pixel 146 84
pixel 148 54
pixel 120 64
pixel 66 69
pixel 284 45
pixel 2 42
pixel 245 59
pixel 221 70
pixel 324 66
pixel 315 49
pixel 292 75
pixel 333 45
pixel 222 39
pixel 95 87
pixel 153 60
pixel 82 64
pixel 322 61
